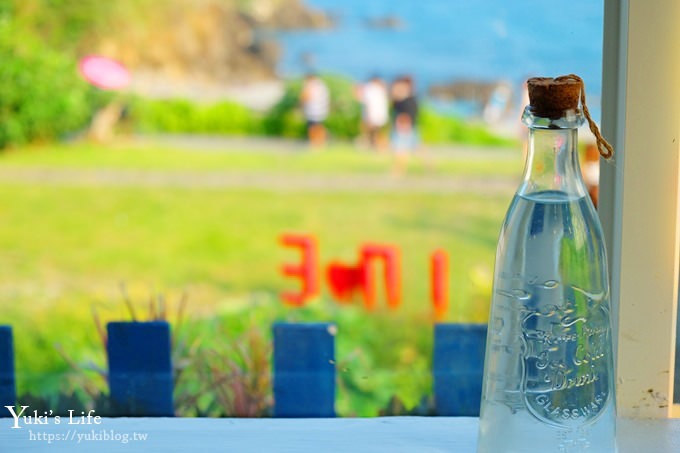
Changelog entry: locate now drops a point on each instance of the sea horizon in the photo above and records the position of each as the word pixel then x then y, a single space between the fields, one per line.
pixel 442 42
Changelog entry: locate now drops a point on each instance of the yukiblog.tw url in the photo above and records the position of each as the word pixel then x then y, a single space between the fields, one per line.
pixel 92 435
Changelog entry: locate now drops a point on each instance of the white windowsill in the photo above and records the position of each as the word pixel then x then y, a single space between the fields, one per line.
pixel 384 434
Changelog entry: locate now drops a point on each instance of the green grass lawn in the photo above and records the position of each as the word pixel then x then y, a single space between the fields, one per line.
pixel 66 249
pixel 336 159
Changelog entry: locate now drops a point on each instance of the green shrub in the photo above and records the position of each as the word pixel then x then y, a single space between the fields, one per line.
pixel 42 96
pixel 222 362
pixel 285 119
pixel 435 128
pixel 183 116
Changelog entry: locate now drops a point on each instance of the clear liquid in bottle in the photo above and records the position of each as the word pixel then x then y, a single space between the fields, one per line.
pixel 548 385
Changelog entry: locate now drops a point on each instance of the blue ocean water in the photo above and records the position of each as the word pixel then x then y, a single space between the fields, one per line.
pixel 446 40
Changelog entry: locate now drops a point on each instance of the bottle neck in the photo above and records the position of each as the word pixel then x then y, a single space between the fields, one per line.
pixel 552 158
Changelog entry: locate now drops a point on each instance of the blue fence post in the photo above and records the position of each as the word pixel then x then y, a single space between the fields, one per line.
pixel 458 366
pixel 140 368
pixel 304 370
pixel 8 393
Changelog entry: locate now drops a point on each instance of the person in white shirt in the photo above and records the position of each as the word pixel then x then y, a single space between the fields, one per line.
pixel 315 99
pixel 375 111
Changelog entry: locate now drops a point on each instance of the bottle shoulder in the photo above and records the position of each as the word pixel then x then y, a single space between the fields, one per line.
pixel 552 213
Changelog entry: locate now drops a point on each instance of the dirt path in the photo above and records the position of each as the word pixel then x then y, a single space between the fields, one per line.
pixel 268 180
pixel 271 144
pixel 256 180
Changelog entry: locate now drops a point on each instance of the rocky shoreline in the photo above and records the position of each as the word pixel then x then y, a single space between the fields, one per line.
pixel 212 44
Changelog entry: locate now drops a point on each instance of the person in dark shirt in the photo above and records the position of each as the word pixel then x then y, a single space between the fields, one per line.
pixel 405 119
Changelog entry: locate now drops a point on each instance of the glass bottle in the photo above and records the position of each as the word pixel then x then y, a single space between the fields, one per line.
pixel 548 372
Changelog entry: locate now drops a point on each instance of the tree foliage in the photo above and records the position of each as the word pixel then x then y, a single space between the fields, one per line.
pixel 42 97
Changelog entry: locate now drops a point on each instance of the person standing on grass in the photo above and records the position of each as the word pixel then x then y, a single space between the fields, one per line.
pixel 405 111
pixel 374 111
pixel 315 100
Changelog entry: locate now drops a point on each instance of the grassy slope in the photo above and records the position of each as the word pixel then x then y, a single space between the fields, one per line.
pixel 337 159
pixel 65 249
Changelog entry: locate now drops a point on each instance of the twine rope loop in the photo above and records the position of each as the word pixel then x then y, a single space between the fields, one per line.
pixel 606 150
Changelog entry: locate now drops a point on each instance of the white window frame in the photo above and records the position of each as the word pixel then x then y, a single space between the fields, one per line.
pixel 639 196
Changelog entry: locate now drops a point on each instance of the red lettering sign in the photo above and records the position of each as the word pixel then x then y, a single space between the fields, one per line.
pixel 389 256
pixel 306 271
pixel 439 270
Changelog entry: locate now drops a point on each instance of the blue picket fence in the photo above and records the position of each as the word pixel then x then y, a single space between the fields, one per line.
pixel 458 366
pixel 304 369
pixel 140 368
pixel 7 383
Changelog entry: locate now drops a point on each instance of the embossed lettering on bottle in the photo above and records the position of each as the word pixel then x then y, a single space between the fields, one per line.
pixel 565 379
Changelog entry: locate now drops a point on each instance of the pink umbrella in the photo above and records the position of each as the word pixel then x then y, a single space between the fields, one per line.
pixel 104 72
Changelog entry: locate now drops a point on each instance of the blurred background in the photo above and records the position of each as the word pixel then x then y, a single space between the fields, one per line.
pixel 158 184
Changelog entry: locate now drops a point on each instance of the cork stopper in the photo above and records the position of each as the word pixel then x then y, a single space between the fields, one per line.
pixel 551 98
